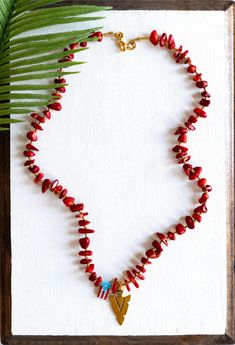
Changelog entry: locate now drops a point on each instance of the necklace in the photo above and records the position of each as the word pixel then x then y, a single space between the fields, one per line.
pixel 119 302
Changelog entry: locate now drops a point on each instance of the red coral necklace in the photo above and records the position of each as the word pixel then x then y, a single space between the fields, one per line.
pixel 118 301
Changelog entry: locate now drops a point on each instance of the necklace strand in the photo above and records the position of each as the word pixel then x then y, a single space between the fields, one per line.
pixel 134 275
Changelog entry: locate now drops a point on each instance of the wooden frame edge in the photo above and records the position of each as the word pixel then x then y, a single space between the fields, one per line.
pixel 230 326
pixel 5 240
pixel 186 5
pixel 120 340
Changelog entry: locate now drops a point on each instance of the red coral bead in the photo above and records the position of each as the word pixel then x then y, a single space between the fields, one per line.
pixel 41 119
pixel 180 229
pixel 73 46
pixel 190 126
pixel 201 209
pixel 29 162
pixel 37 126
pixel 181 154
pixel 61 89
pixel 180 148
pixel 182 138
pixel 145 261
pixel 37 117
pixel 177 52
pixel 171 42
pixel 138 274
pixel 45 185
pixel 68 201
pixel 200 112
pixel 38 178
pixel 127 285
pixel 154 37
pixel 189 221
pixel 205 102
pixel 132 279
pixel 201 183
pixel 86 231
pixel 140 268
pixel 171 235
pixel 163 39
pixel 181 130
pixel 58 189
pixel 55 106
pixel 83 44
pixel 201 84
pixel 97 34
pixel 77 207
pixel 114 286
pixel 81 215
pixel 31 147
pixel 54 185
pixel 129 275
pixel 90 268
pixel 83 222
pixel 32 135
pixel 71 55
pixel 85 253
pixel 60 81
pixel 184 159
pixel 34 115
pixel 197 77
pixel 188 61
pixel 29 153
pixel 157 245
pixel 63 193
pixel 84 242
pixel 191 69
pixel 93 276
pixel 85 261
pixel 197 217
pixel 205 94
pixel 207 188
pixel 152 253
pixel 187 169
pixel 47 113
pixel 34 169
pixel 192 119
pixel 181 56
pixel 203 198
pixel 163 238
pixel 204 208
pixel 195 173
pixel 98 281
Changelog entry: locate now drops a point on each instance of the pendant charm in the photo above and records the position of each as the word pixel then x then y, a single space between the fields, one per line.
pixel 104 289
pixel 120 304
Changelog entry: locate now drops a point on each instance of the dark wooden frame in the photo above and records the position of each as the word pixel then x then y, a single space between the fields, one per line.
pixel 5 243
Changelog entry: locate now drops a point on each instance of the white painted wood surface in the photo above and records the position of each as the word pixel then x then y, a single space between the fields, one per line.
pixel 111 146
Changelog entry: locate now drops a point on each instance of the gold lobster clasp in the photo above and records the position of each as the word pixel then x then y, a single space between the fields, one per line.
pixel 123 46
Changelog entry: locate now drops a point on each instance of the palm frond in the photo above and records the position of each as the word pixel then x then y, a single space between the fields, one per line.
pixel 36 57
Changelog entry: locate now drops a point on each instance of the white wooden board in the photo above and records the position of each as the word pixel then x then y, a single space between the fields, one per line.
pixel 111 146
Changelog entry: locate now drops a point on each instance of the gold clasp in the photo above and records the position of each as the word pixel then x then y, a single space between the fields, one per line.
pixel 123 46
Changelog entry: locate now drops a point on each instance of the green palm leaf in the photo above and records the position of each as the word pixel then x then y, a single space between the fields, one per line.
pixel 35 57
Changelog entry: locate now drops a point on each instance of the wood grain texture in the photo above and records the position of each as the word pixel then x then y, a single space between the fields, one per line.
pixel 5 236
pixel 127 340
pixel 190 5
pixel 230 329
pixel 5 244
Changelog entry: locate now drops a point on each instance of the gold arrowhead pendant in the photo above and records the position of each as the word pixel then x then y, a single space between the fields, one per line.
pixel 120 304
